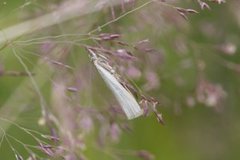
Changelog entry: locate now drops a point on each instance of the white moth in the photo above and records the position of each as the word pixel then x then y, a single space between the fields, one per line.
pixel 127 101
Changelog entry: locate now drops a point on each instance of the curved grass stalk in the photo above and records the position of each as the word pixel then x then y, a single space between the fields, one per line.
pixel 18 101
pixel 76 9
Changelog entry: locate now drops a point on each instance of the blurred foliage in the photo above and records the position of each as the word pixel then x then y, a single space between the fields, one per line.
pixel 193 71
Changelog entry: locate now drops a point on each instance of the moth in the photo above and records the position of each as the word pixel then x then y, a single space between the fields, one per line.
pixel 125 98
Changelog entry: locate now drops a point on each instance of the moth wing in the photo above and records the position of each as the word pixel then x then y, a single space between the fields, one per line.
pixel 128 103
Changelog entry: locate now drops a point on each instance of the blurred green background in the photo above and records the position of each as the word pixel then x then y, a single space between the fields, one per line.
pixel 193 130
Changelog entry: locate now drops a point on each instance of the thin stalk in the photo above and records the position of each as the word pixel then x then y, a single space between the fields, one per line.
pixel 76 9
